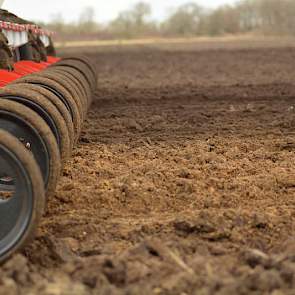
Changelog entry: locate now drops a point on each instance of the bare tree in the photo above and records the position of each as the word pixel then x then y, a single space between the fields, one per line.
pixel 185 20
pixel 223 20
pixel 246 16
pixel 277 16
pixel 133 22
pixel 141 12
pixel 87 20
pixel 249 15
pixel 122 25
pixel 57 22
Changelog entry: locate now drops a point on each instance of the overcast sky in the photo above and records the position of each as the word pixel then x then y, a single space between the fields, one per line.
pixel 105 10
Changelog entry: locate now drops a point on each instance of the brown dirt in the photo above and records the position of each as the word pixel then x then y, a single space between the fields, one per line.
pixel 183 181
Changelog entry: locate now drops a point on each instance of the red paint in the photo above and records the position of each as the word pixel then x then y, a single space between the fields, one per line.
pixel 23 68
pixel 6 77
pixel 52 59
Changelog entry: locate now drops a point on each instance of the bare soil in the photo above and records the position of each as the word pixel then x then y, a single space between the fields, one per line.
pixel 183 181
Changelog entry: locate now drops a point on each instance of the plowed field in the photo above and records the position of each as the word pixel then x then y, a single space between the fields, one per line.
pixel 183 181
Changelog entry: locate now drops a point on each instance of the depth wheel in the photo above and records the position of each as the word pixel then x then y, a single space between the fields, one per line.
pixel 63 95
pixel 70 87
pixel 34 133
pixel 22 209
pixel 82 68
pixel 45 109
pixel 86 61
pixel 77 78
pixel 50 96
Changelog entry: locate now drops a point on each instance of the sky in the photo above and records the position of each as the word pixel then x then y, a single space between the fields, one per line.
pixel 44 10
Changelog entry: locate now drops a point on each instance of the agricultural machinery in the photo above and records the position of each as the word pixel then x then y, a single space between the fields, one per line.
pixel 43 102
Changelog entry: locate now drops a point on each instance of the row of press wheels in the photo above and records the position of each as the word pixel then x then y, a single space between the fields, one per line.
pixel 41 116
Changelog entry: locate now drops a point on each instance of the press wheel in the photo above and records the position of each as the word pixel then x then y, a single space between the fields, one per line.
pixel 33 132
pixel 22 209
pixel 45 109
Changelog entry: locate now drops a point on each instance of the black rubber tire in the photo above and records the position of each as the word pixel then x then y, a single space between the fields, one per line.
pixel 60 81
pixel 22 91
pixel 58 104
pixel 73 85
pixel 87 61
pixel 35 183
pixel 34 120
pixel 77 78
pixel 82 68
pixel 76 82
pixel 70 87
pixel 47 83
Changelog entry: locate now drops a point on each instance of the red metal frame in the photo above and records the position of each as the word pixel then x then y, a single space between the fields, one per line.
pixel 23 68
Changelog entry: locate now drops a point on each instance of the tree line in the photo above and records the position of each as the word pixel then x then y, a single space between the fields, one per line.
pixel 272 17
